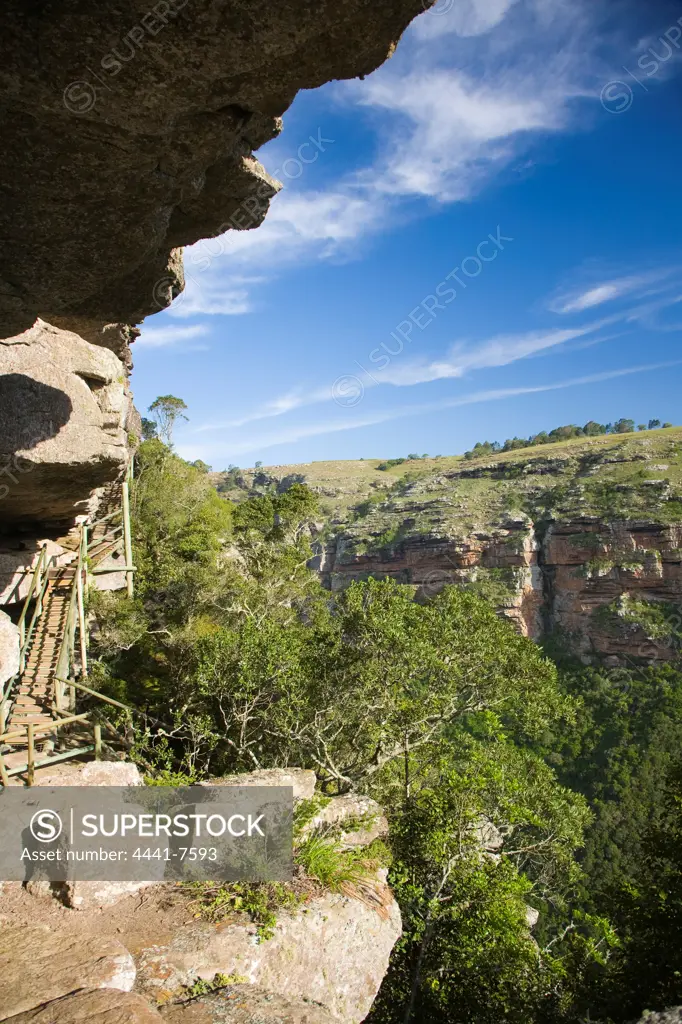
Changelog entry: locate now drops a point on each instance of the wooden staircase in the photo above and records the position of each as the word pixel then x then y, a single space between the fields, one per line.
pixel 37 708
pixel 34 695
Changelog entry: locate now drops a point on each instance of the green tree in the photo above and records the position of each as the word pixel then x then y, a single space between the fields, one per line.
pixel 594 429
pixel 647 911
pixel 623 426
pixel 149 430
pixel 484 831
pixel 166 410
pixel 653 424
pixel 179 525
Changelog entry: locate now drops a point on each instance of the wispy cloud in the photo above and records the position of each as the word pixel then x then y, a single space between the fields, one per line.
pixel 577 300
pixel 300 432
pixel 500 350
pixel 171 336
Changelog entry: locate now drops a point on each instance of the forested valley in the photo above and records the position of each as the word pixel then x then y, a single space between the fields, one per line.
pixel 535 803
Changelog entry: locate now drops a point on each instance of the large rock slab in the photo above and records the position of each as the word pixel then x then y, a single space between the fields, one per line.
pixel 80 895
pixel 9 649
pixel 334 952
pixel 38 965
pixel 128 132
pixel 90 773
pixel 19 554
pixel 358 820
pixel 106 1006
pixel 301 780
pixel 63 410
pixel 244 1004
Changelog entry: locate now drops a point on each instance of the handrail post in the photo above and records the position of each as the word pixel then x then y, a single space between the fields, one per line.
pixel 39 581
pixel 84 542
pixel 127 542
pixel 97 735
pixel 30 756
pixel 81 613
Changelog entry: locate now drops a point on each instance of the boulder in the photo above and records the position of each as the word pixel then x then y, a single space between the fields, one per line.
pixel 333 951
pixel 80 895
pixel 19 554
pixel 302 780
pixel 245 1004
pixel 359 820
pixel 106 1006
pixel 63 410
pixel 90 773
pixel 9 649
pixel 38 965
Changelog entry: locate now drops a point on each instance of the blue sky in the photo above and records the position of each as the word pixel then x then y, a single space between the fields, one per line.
pixel 482 239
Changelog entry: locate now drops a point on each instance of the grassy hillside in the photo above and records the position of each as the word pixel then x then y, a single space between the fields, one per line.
pixel 615 475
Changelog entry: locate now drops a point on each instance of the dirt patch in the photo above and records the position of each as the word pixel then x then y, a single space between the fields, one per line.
pixel 151 916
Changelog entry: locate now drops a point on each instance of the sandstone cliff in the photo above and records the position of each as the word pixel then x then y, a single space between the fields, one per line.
pixel 581 540
pixel 65 414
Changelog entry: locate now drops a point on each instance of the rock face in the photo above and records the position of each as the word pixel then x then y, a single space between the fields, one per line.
pixel 64 408
pixel 358 819
pixel 245 1004
pixel 616 587
pixel 90 773
pixel 301 780
pixel 666 1017
pixel 335 952
pixel 38 965
pixel 80 895
pixel 129 131
pixel 431 559
pixel 9 649
pixel 588 578
pixel 106 1006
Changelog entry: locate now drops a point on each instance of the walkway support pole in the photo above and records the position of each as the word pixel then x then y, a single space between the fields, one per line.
pixel 127 542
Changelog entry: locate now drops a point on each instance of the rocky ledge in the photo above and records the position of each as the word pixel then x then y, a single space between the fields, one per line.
pixel 324 961
pixel 65 413
pixel 129 132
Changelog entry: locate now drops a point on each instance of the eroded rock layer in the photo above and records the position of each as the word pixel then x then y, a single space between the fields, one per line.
pixel 65 413
pixel 591 580
pixel 129 128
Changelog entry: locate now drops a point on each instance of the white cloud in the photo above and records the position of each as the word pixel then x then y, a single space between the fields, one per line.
pixel 463 17
pixel 592 297
pixel 499 351
pixel 653 282
pixel 222 271
pixel 165 337
pixel 454 131
pixel 468 92
pixel 208 294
